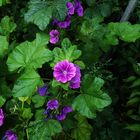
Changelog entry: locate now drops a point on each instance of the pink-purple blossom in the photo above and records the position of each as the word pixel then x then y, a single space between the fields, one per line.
pixel 1 117
pixel 76 80
pixel 54 36
pixel 71 8
pixel 52 104
pixel 64 71
pixel 10 135
pixel 61 116
pixel 79 8
pixel 42 90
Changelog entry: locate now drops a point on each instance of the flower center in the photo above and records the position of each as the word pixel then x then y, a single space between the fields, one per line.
pixel 65 72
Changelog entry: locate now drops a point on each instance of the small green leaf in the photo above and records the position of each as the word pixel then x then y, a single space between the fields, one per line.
pixel 63 85
pixel 3 45
pixel 134 127
pixel 38 100
pixel 2 101
pixel 27 114
pixel 7 26
pixel 26 84
pixel 30 54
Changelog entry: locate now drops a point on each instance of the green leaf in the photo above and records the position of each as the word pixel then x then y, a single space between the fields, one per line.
pixel 26 84
pixel 7 26
pixel 92 86
pixel 2 101
pixel 87 105
pixel 38 100
pixel 84 104
pixel 3 2
pixel 63 85
pixel 39 114
pixel 3 45
pixel 30 54
pixel 134 127
pixel 125 31
pixel 44 130
pixel 69 53
pixel 41 12
pixel 27 113
pixel 82 131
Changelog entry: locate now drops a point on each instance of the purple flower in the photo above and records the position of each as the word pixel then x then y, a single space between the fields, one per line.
pixel 10 135
pixel 64 71
pixel 61 116
pixel 52 104
pixel 42 90
pixel 54 36
pixel 1 117
pixel 67 109
pixel 78 8
pixel 75 81
pixel 71 8
pixel 64 24
pixel 55 21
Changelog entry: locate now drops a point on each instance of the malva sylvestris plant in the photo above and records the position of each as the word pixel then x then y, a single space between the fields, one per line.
pixel 50 93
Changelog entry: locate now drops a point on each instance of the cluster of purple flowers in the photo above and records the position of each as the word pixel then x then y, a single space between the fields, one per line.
pixel 53 105
pixel 71 9
pixel 66 71
pixel 9 134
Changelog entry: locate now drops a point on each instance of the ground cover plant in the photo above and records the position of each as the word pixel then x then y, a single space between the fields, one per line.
pixel 69 70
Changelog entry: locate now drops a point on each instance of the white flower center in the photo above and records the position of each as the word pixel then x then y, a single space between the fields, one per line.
pixel 65 72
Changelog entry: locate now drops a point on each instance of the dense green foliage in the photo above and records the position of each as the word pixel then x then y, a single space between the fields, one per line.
pixel 107 105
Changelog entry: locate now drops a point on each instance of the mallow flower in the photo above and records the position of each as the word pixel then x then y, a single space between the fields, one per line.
pixel 10 135
pixel 64 71
pixel 79 8
pixel 76 80
pixel 54 36
pixel 71 8
pixel 52 104
pixel 42 90
pixel 1 117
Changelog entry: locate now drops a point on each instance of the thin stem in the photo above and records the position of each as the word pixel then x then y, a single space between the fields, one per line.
pixel 129 9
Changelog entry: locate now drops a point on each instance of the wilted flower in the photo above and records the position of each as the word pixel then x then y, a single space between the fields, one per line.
pixel 61 116
pixel 52 104
pixel 71 8
pixel 67 109
pixel 65 24
pixel 54 36
pixel 64 71
pixel 1 117
pixel 10 135
pixel 78 8
pixel 42 90
pixel 75 81
pixel 63 113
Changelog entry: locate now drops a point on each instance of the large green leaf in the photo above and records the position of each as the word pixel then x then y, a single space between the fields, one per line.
pixel 83 130
pixel 2 101
pixel 134 127
pixel 88 104
pixel 44 130
pixel 40 12
pixel 3 45
pixel 30 54
pixel 7 26
pixel 26 84
pixel 125 31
